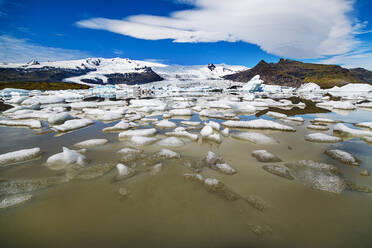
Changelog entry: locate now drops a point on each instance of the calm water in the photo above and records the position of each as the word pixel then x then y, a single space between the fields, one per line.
pixel 165 210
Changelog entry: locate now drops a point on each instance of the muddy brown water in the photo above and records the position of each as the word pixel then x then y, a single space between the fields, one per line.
pixel 165 210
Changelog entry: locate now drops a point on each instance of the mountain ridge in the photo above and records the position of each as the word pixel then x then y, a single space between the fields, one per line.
pixel 293 73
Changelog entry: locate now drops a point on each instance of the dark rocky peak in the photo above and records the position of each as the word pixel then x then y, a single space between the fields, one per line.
pixel 95 62
pixel 32 62
pixel 211 67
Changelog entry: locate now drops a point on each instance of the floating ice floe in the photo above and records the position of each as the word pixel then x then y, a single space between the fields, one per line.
pixel 167 154
pixel 191 123
pixel 295 118
pixel 278 171
pixel 19 156
pixel 21 123
pixel 82 105
pixel 364 124
pixel 128 150
pixel 216 162
pixel 324 120
pixel 109 116
pixel 165 124
pixel 345 105
pixel 316 175
pixel 365 105
pixel 343 157
pixel 225 132
pixel 60 118
pixel 120 126
pixel 123 170
pixel 206 131
pixel 322 138
pixel 182 134
pixel 43 100
pixel 276 115
pixel 212 113
pixel 171 142
pixel 215 137
pixel 257 138
pixel 344 130
pixel 138 103
pixel 66 157
pixel 181 112
pixel 318 127
pixel 155 169
pixel 17 99
pixel 265 156
pixel 91 143
pixel 215 125
pixel 142 140
pixel 258 124
pixel 13 200
pixel 73 125
pixel 138 132
pixel 308 87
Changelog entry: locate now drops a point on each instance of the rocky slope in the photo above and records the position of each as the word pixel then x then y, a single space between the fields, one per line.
pixel 294 73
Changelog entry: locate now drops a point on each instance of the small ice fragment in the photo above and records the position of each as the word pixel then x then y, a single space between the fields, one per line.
pixel 171 142
pixel 73 124
pixel 343 157
pixel 206 131
pixel 166 153
pixel 21 123
pixel 258 124
pixel 165 124
pixel 67 157
pixel 322 138
pixel 142 140
pixel 257 138
pixel 265 156
pixel 225 132
pixel 91 143
pixel 138 132
pixel 60 118
pixel 19 156
pixel 13 200
pixel 318 127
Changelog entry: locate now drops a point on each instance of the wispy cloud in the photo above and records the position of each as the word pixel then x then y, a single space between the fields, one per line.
pixel 361 58
pixel 289 28
pixel 21 50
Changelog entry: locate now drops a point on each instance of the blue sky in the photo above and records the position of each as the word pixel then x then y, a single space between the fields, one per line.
pixel 188 31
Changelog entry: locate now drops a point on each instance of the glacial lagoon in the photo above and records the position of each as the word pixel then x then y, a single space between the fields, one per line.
pixel 188 181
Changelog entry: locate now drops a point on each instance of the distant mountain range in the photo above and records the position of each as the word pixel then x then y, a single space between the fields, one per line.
pixel 94 71
pixel 294 73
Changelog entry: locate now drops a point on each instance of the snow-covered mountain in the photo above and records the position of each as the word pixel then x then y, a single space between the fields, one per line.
pixel 112 71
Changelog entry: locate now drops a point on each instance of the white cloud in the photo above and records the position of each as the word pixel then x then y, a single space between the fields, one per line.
pixel 355 59
pixel 290 28
pixel 20 50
